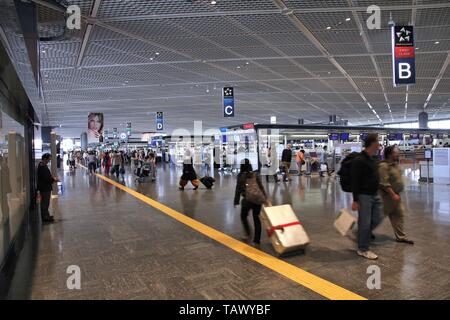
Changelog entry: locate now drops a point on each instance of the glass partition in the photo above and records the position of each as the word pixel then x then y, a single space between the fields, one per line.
pixel 14 196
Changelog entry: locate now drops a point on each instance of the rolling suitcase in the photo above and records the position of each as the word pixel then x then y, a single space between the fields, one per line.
pixel 284 229
pixel 344 222
pixel 208 182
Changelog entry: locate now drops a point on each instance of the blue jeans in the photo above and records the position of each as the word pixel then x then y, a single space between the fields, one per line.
pixel 369 217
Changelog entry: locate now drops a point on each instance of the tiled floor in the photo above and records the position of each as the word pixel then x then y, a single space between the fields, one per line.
pixel 128 250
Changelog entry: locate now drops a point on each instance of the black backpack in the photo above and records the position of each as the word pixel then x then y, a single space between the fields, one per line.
pixel 345 172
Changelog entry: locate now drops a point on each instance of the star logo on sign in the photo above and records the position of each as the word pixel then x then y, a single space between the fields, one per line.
pixel 228 92
pixel 404 35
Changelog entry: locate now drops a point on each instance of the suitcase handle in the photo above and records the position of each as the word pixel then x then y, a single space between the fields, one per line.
pixel 281 227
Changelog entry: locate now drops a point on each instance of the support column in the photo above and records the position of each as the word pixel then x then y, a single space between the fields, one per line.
pixel 83 139
pixel 54 161
pixel 423 120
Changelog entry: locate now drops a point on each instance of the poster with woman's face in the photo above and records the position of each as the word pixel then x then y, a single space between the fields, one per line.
pixel 95 127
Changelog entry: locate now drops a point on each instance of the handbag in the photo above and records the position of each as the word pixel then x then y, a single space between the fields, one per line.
pixel 253 192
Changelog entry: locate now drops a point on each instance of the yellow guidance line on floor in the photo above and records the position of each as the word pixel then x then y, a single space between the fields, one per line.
pixel 323 287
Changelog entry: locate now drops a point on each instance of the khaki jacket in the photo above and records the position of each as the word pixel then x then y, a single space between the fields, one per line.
pixel 391 176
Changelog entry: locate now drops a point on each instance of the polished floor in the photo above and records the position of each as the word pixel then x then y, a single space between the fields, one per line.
pixel 129 250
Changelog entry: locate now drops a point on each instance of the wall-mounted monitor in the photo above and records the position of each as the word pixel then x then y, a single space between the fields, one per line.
pixel 395 136
pixel 345 136
pixel 333 136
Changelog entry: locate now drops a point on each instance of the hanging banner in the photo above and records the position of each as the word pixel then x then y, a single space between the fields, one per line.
pixel 228 102
pixel 95 127
pixel 403 55
pixel 159 121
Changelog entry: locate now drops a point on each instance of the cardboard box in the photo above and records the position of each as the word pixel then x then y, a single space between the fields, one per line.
pixel 344 222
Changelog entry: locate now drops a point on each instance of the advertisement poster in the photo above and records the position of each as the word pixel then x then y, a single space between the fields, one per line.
pixel 95 127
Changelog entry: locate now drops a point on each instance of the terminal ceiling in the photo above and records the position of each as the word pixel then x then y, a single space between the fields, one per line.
pixel 286 58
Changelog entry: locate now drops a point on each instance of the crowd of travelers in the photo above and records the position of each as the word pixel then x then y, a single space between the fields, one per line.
pixel 374 180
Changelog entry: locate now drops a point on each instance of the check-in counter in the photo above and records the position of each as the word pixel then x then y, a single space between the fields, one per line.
pixel 426 171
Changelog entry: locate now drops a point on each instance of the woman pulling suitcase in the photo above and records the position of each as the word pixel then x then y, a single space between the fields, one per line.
pixel 188 175
pixel 250 187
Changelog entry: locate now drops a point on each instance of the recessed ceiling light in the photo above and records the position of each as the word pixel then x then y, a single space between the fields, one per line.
pixel 213 2
pixel 247 63
pixel 157 53
pixel 417 48
pixel 43 51
pixel 238 67
pixel 348 19
pixel 437 42
pixel 328 28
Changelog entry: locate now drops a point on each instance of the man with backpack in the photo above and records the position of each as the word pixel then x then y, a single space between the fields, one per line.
pixel 365 183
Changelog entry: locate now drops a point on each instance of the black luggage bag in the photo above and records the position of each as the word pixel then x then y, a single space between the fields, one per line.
pixel 208 182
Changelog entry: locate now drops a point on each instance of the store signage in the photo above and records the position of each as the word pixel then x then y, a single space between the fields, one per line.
pixel 273 120
pixel 403 55
pixel 159 121
pixel 228 102
pixel 106 134
pixel 128 129
pixel 223 131
pixel 115 133
pixel 123 136
pixel 247 126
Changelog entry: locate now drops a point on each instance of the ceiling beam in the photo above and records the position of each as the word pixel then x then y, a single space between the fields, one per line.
pixel 312 38
pixel 438 80
pixel 369 49
pixel 318 9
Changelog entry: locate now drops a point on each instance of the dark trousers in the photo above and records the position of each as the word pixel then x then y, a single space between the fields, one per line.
pixel 256 209
pixel 92 167
pixel 116 170
pixel 45 204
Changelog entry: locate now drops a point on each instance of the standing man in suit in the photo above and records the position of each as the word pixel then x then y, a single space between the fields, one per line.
pixel 45 182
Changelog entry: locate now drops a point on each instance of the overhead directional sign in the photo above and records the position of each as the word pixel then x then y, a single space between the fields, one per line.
pixel 159 121
pixel 128 128
pixel 403 55
pixel 228 102
pixel 123 136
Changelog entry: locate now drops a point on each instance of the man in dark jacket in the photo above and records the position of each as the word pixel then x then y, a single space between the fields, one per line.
pixel 365 183
pixel 45 182
pixel 286 158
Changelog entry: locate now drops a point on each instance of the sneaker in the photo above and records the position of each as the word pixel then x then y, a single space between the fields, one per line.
pixel 367 254
pixel 405 240
pixel 48 220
